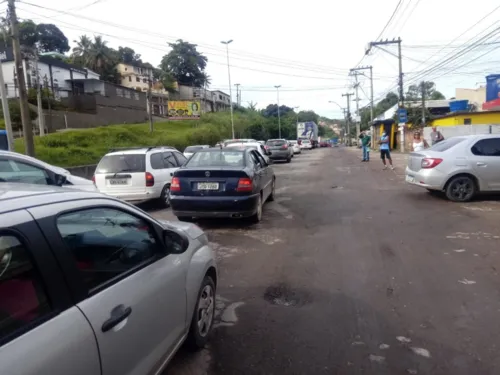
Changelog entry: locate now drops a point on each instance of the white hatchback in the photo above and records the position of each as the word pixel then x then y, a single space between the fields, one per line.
pixel 138 174
pixel 296 147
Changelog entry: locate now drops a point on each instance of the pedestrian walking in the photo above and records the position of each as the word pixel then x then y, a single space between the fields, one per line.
pixel 436 136
pixel 365 145
pixel 385 151
pixel 419 143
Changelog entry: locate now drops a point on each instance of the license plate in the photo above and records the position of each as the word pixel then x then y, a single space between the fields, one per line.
pixel 410 179
pixel 208 186
pixel 118 182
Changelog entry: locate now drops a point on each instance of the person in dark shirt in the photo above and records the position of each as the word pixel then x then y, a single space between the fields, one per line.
pixel 365 144
pixel 436 136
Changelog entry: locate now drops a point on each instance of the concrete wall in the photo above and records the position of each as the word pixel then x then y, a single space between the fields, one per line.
pixel 85 171
pixel 454 131
pixel 476 118
pixel 104 116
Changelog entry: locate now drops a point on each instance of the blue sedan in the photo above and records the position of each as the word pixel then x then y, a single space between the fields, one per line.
pixel 225 183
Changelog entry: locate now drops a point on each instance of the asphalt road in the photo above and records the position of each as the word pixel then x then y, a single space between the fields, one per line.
pixel 353 272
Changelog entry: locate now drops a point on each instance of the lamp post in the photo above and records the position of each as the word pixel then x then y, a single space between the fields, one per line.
pixel 227 42
pixel 279 117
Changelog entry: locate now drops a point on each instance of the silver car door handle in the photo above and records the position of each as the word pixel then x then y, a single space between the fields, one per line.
pixel 480 164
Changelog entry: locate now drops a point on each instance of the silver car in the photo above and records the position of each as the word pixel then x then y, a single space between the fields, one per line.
pixel 461 167
pixel 16 167
pixel 92 285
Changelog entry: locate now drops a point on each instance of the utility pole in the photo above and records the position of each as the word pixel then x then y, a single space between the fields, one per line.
pixel 297 113
pixel 6 111
pixel 41 120
pixel 422 85
pixel 279 116
pixel 49 105
pixel 400 58
pixel 370 68
pixel 237 93
pixel 150 103
pixel 356 87
pixel 23 95
pixel 348 116
pixel 227 42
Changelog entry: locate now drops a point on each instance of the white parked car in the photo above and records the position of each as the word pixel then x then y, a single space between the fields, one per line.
pixel 254 145
pixel 16 167
pixel 296 147
pixel 190 150
pixel 138 174
pixel 306 144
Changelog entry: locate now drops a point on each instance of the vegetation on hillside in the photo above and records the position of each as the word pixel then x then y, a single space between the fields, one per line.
pixel 81 147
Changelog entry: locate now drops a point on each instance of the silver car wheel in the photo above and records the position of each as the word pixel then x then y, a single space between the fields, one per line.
pixel 205 310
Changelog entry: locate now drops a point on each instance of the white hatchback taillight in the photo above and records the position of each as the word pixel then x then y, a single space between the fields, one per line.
pixel 429 163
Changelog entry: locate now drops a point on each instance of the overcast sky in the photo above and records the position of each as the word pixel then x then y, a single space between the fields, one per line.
pixel 307 47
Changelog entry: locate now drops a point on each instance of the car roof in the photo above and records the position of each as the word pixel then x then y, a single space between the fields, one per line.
pixel 139 150
pixel 33 160
pixel 244 144
pixel 15 196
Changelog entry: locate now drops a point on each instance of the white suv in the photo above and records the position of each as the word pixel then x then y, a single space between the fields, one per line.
pixel 138 174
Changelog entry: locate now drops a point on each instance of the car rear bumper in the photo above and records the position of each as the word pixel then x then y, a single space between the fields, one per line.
pixel 215 207
pixel 133 197
pixel 279 155
pixel 431 179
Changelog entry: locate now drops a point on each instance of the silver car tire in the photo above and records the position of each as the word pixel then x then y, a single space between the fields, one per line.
pixel 461 189
pixel 203 316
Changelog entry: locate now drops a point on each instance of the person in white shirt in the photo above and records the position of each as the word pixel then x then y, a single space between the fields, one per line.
pixel 419 143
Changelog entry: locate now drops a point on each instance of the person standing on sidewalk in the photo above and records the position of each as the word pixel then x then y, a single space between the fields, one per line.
pixel 419 144
pixel 365 143
pixel 385 151
pixel 436 136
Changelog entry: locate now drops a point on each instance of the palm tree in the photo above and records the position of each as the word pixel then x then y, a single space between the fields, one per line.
pixel 83 46
pixel 100 54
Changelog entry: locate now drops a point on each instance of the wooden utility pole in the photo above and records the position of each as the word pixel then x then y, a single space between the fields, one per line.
pixel 150 103
pixel 423 103
pixel 348 117
pixel 29 145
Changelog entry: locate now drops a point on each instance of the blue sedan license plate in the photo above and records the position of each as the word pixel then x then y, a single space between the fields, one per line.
pixel 208 186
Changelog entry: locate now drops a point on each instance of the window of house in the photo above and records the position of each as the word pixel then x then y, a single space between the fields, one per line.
pixel 144 80
pixel 220 97
pixel 467 121
pixel 119 92
pixel 137 79
pixel 106 243
pixel 127 94
pixel 136 95
pixel 129 78
pixel 22 295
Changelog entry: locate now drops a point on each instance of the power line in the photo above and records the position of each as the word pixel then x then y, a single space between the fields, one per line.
pixel 390 19
pixel 164 49
pixel 267 59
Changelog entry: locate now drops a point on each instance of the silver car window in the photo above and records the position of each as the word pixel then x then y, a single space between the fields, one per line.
pixel 15 171
pixel 106 243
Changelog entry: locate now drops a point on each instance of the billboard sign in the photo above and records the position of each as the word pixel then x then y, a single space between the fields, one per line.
pixel 183 109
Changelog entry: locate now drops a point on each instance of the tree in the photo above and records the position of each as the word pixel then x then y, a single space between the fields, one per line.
pixel 185 64
pixel 45 36
pixel 97 56
pixel 308 116
pixel 414 92
pixel 50 38
pixel 252 106
pixel 272 110
pixel 128 56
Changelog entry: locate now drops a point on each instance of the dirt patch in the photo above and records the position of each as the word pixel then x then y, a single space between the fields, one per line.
pixel 283 295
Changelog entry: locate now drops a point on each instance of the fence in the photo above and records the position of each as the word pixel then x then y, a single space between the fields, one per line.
pixel 454 131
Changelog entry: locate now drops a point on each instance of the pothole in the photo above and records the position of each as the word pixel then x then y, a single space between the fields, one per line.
pixel 283 295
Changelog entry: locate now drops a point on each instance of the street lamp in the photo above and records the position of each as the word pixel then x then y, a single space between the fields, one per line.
pixel 279 117
pixel 229 77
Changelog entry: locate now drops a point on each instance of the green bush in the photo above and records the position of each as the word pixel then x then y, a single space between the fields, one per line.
pixel 87 146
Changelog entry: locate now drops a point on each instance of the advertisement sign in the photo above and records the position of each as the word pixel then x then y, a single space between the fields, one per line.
pixel 180 110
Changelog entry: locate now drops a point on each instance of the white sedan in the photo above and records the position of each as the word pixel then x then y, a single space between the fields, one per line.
pixel 296 147
pixel 306 144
